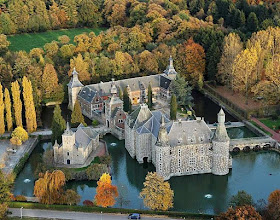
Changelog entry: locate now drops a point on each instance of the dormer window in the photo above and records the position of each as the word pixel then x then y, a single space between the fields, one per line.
pixel 180 140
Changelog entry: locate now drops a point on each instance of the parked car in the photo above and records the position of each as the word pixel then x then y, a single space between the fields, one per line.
pixel 134 216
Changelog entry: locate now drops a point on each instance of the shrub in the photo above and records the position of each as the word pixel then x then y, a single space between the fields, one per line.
pixel 105 159
pixel 95 171
pixel 20 134
pixel 87 203
pixel 274 117
pixel 21 164
pixel 20 198
pixel 95 123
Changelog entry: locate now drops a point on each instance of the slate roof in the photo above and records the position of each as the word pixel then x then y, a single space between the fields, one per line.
pixel 164 82
pixel 133 83
pixel 87 93
pixel 74 82
pixel 189 132
pixel 221 132
pixel 139 116
pixel 84 135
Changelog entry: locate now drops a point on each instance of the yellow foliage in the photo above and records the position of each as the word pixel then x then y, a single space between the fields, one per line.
pixel 30 113
pixel 8 109
pixel 17 104
pixel 2 107
pixel 157 194
pixel 16 141
pixel 20 133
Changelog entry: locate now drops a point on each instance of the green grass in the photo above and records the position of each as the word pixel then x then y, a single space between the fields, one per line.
pixel 259 127
pixel 32 40
pixel 273 124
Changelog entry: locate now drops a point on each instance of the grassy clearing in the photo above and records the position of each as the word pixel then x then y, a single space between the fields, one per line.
pixel 31 40
pixel 259 127
pixel 273 124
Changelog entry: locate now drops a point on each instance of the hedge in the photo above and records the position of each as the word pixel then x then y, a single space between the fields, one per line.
pixel 30 205
pixel 21 164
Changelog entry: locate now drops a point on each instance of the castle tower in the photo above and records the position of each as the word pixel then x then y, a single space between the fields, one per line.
pixel 68 141
pixel 74 87
pixel 163 152
pixel 220 141
pixel 170 70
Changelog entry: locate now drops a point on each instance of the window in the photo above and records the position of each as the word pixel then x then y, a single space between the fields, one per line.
pixel 68 154
pixel 192 161
pixel 179 163
pixel 160 157
pixel 179 153
pixel 120 121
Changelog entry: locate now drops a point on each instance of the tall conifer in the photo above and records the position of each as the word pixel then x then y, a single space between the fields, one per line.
pixel 126 101
pixel 17 104
pixel 2 106
pixel 150 97
pixel 58 125
pixel 30 113
pixel 173 107
pixel 8 108
pixel 77 116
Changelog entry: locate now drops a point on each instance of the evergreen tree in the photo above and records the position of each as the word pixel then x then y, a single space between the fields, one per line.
pixel 252 22
pixel 120 94
pixel 212 56
pixel 150 97
pixel 2 107
pixel 30 113
pixel 8 106
pixel 17 104
pixel 126 101
pixel 77 116
pixel 173 107
pixel 58 125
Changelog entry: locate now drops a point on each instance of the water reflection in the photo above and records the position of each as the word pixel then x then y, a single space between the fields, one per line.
pixel 258 173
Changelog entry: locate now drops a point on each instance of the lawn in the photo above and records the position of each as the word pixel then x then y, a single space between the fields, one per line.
pixel 31 40
pixel 273 124
pixel 259 127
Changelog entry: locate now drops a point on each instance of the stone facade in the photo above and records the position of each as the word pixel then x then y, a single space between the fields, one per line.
pixel 177 148
pixel 101 102
pixel 76 145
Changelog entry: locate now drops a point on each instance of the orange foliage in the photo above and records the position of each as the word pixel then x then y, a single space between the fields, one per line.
pixel 274 205
pixel 241 212
pixel 105 191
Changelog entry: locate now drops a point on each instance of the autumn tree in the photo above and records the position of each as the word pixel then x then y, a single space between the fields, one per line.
pixel 273 205
pixel 82 67
pixel 106 193
pixel 8 108
pixel 157 194
pixel 49 81
pixel 58 125
pixel 49 187
pixel 95 171
pixel 232 46
pixel 6 185
pixel 70 8
pixel 19 135
pixel 30 113
pixel 71 197
pixel 150 97
pixel 2 108
pixel 4 43
pixel 17 104
pixel 147 62
pixel 77 116
pixel 173 107
pixel 241 212
pixel 244 71
pixel 88 13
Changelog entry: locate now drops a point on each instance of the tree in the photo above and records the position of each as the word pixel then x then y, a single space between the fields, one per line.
pixel 252 22
pixel 81 66
pixel 77 116
pixel 126 101
pixel 2 108
pixel 6 23
pixel 58 125
pixel 95 171
pixel 244 71
pixel 150 97
pixel 273 205
pixel 241 199
pixel 8 109
pixel 241 212
pixel 181 89
pixel 70 7
pixel 88 13
pixel 232 46
pixel 19 135
pixel 17 104
pixel 49 81
pixel 105 191
pixel 157 194
pixel 30 113
pixel 4 43
pixel 173 107
pixel 71 197
pixel 49 187
pixel 6 184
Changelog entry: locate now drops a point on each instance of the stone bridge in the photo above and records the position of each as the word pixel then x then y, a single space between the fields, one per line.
pixel 254 143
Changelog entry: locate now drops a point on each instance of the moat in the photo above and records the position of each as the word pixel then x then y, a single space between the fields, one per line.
pixel 257 173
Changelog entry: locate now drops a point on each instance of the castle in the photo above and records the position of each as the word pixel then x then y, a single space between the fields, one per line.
pixel 76 145
pixel 175 148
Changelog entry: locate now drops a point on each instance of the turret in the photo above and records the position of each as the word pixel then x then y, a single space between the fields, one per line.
pixel 114 89
pixel 220 141
pixel 163 151
pixel 74 87
pixel 170 70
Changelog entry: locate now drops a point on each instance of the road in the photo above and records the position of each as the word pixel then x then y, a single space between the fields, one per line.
pixel 73 215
